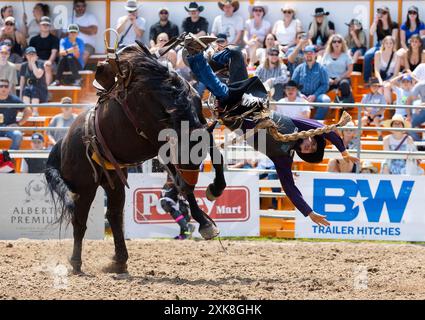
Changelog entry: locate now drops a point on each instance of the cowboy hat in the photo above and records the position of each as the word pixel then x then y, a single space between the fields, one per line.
pixel 131 6
pixel 193 6
pixel 396 117
pixel 317 156
pixel 235 4
pixel 258 4
pixel 288 7
pixel 320 12
pixel 367 165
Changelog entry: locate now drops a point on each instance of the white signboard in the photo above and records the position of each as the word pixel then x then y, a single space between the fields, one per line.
pixel 235 212
pixel 363 206
pixel 27 211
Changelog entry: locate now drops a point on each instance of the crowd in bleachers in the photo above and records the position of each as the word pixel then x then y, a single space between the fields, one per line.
pixel 295 64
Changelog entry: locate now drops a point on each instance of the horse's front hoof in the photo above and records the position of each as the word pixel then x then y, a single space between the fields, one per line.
pixel 209 194
pixel 76 266
pixel 116 267
pixel 209 231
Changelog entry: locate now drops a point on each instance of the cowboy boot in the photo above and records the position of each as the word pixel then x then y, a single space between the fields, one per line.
pixel 194 44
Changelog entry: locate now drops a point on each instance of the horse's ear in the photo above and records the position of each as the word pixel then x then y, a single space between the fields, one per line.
pixel 144 48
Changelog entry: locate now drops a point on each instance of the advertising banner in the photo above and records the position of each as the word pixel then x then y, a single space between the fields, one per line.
pixel 27 210
pixel 235 212
pixel 363 206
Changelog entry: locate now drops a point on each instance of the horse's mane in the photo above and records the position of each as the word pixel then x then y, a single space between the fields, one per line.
pixel 150 76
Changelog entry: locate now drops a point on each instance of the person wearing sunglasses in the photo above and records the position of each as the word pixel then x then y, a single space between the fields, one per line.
pixel 10 31
pixel 229 22
pixel 163 25
pixel 8 115
pixel 320 29
pixel 7 68
pixel 383 26
pixel 170 58
pixel 273 72
pixel 130 27
pixel 356 39
pixel 256 29
pixel 339 65
pixel 413 25
pixel 286 29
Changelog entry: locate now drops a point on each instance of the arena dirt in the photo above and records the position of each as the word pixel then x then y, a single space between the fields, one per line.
pixel 166 269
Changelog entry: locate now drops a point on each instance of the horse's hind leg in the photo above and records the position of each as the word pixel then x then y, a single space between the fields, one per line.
pixel 114 214
pixel 216 188
pixel 79 223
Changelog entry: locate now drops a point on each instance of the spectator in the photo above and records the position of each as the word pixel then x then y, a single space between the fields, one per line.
pixel 35 165
pixel 8 115
pixel 7 69
pixel 195 23
pixel 9 31
pixel 384 26
pixel 32 79
pixel 7 11
pixel 6 164
pixel 368 168
pixel 163 25
pixel 33 28
pixel 292 95
pixel 412 26
pixel 130 27
pixel 87 24
pixel 314 80
pixel 170 58
pixel 269 41
pixel 399 141
pixel 349 137
pixel 273 72
pixel 418 117
pixel 351 141
pixel 373 114
pixel 229 23
pixel 387 62
pixel 402 90
pixel 47 47
pixel 70 49
pixel 356 39
pixel 256 29
pixel 320 29
pixel 286 30
pixel 296 54
pixel 415 54
pixel 15 58
pixel 61 120
pixel 339 66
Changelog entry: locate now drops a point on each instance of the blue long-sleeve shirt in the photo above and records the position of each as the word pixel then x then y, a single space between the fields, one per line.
pixel 314 80
pixel 284 163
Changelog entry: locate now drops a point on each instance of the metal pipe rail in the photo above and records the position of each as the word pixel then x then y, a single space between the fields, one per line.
pixel 44 105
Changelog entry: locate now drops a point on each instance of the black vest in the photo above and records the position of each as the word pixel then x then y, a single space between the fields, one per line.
pixel 276 148
pixel 36 165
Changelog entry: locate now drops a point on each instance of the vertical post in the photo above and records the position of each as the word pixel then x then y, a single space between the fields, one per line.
pixel 108 20
pixel 400 13
pixel 371 17
pixel 359 134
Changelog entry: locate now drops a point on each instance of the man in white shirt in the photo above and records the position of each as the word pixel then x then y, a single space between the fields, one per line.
pixel 229 23
pixel 292 95
pixel 87 23
pixel 130 27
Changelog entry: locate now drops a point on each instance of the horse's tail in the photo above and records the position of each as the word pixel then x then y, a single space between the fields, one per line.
pixel 65 200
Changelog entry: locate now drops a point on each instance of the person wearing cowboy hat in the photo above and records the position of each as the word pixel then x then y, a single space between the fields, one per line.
pixel 356 39
pixel 163 25
pixel 195 23
pixel 229 23
pixel 292 93
pixel 320 29
pixel 399 141
pixel 373 114
pixel 286 29
pixel 130 27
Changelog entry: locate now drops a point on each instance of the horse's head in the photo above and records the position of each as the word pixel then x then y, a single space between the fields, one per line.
pixel 105 76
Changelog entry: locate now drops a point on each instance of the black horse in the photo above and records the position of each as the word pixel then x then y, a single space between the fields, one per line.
pixel 157 99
